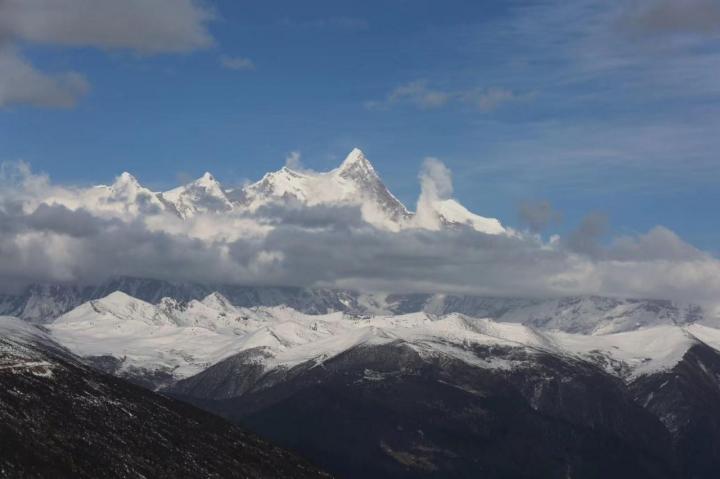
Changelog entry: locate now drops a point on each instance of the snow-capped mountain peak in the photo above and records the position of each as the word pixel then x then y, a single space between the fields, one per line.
pixel 185 338
pixel 125 180
pixel 116 308
pixel 356 165
pixel 282 184
pixel 204 195
pixel 355 182
pixel 450 212
pixel 208 181
pixel 218 302
pixel 124 197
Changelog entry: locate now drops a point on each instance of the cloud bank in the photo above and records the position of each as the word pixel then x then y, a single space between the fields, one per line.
pixel 52 233
pixel 667 17
pixel 143 26
pixel 21 83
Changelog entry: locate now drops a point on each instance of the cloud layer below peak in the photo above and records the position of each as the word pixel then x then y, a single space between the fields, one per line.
pixel 44 238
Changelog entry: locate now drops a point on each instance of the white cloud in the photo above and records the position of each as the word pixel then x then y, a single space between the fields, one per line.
pixel 334 23
pixel 21 83
pixel 435 184
pixel 415 93
pixel 146 26
pixel 237 63
pixel 488 99
pixel 418 94
pixel 436 179
pixel 42 240
pixel 293 161
pixel 143 26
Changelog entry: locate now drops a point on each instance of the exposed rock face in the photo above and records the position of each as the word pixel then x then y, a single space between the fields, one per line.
pixel 687 400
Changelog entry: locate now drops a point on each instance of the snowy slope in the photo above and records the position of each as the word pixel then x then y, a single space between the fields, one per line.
pixel 451 213
pixel 599 315
pixel 354 182
pixel 183 338
pixel 19 337
pixel 204 195
pixel 141 335
pixel 630 354
pixel 125 198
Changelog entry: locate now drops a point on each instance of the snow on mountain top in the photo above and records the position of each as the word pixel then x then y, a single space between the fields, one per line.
pixel 126 187
pixel 355 182
pixel 142 335
pixel 218 301
pixel 512 333
pixel 184 338
pixel 125 180
pixel 204 195
pixel 600 315
pixel 355 161
pixel 117 308
pixel 451 212
pixel 126 197
pixel 207 180
pixel 643 351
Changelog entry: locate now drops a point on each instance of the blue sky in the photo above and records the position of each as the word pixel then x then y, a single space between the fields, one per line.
pixel 593 106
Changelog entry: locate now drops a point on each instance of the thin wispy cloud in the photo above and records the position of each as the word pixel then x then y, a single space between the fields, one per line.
pixel 420 95
pixel 293 160
pixel 624 95
pixel 488 99
pixel 332 23
pixel 237 63
pixel 538 215
pixel 416 93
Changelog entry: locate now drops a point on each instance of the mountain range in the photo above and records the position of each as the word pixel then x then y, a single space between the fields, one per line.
pixel 354 183
pixel 578 387
pixel 362 383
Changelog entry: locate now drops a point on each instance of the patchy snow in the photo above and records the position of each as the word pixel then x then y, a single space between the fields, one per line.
pixel 17 351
